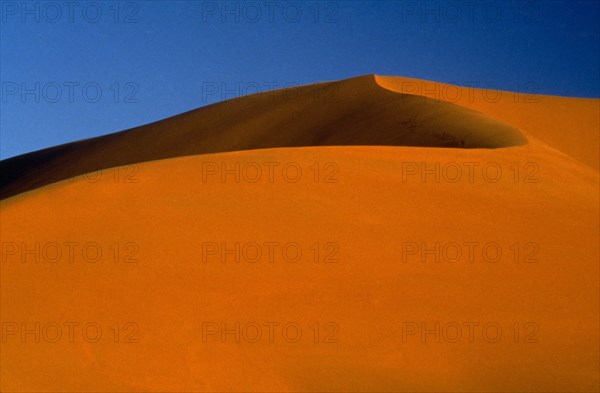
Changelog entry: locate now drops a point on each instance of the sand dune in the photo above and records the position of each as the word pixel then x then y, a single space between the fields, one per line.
pixel 327 114
pixel 411 277
pixel 549 118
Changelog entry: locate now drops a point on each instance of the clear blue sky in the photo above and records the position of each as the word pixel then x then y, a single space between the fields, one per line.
pixel 75 70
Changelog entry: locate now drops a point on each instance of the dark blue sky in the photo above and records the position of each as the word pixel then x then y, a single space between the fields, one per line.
pixel 75 70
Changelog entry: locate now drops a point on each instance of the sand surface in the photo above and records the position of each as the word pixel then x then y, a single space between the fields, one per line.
pixel 397 261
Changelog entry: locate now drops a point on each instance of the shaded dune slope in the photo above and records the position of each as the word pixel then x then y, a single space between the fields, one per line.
pixel 568 124
pixel 355 111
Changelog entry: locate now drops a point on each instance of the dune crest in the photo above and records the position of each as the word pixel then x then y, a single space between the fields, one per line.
pixel 350 112
pixel 568 124
pixel 416 269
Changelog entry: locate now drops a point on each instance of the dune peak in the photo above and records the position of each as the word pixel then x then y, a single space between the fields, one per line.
pixel 351 112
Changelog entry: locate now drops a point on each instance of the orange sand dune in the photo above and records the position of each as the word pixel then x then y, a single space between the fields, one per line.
pixel 324 268
pixel 328 114
pixel 567 124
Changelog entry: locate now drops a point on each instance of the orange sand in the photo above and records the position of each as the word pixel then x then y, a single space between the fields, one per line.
pixel 368 207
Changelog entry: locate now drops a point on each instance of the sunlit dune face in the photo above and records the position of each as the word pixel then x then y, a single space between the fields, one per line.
pixel 461 255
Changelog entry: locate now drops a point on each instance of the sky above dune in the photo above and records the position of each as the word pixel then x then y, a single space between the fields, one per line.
pixel 74 70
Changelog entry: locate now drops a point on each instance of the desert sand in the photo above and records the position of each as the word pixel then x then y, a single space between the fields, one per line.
pixel 361 235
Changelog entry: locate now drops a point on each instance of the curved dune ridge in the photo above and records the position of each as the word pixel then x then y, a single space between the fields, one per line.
pixel 356 112
pixel 550 119
pixel 430 269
